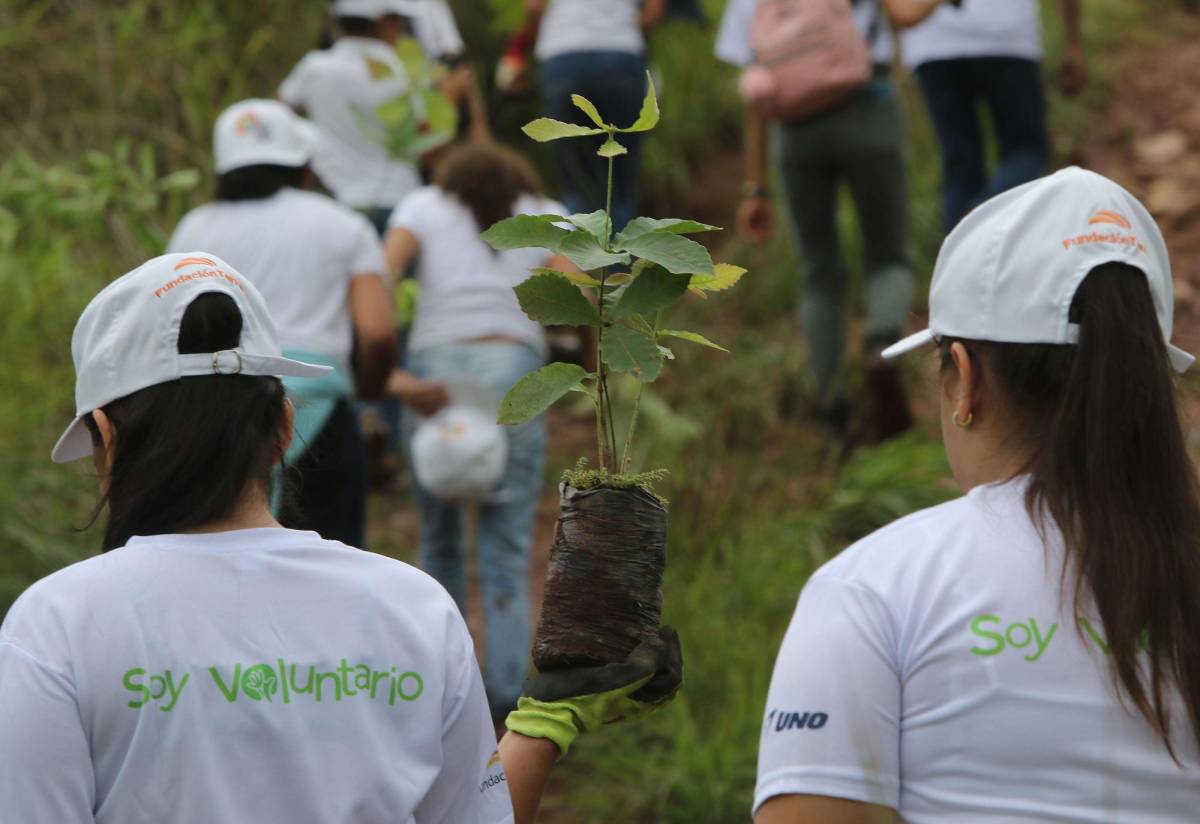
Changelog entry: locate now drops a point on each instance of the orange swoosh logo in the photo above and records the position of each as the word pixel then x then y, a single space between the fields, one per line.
pixel 1114 218
pixel 195 261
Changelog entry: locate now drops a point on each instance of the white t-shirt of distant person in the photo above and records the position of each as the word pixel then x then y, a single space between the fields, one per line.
pixel 936 667
pixel 301 250
pixel 339 89
pixel 978 28
pixel 254 675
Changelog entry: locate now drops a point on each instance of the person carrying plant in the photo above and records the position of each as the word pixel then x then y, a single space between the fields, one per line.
pixel 597 50
pixel 321 269
pixel 211 665
pixel 1027 652
pixel 469 328
pixel 986 56
pixel 818 75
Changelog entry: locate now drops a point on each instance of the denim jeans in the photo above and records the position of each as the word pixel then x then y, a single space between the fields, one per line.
pixel 858 144
pixel 616 82
pixel 1010 88
pixel 504 529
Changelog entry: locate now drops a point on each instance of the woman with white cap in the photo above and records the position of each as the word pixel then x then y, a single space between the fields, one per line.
pixel 1028 652
pixel 321 269
pixel 211 665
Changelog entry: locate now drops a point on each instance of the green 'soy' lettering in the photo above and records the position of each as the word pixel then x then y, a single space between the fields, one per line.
pixel 997 638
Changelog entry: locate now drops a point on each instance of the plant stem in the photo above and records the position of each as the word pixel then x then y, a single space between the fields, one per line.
pixel 605 431
pixel 633 421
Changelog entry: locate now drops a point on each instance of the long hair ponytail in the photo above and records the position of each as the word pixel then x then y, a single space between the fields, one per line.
pixel 1109 466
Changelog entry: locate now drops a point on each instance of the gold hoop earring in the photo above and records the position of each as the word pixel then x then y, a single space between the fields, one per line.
pixel 964 422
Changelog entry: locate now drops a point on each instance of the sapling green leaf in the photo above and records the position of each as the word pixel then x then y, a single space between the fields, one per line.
pixel 676 253
pixel 648 117
pixel 654 289
pixel 690 336
pixel 611 148
pixel 524 231
pixel 586 253
pixel 552 299
pixel 578 278
pixel 588 108
pixel 535 392
pixel 595 223
pixel 644 225
pixel 722 277
pixel 545 129
pixel 625 349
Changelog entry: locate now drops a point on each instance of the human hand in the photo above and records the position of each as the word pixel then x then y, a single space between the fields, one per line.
pixel 754 219
pixel 1074 73
pixel 424 397
pixel 562 704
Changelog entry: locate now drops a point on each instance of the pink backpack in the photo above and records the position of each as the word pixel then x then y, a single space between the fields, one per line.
pixel 809 54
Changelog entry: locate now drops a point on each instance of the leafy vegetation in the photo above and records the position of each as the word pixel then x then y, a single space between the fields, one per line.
pixel 627 307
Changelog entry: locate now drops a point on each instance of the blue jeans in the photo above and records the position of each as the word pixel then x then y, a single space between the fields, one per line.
pixel 1010 88
pixel 504 529
pixel 616 82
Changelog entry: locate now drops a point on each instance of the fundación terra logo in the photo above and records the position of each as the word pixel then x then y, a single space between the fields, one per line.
pixel 1109 218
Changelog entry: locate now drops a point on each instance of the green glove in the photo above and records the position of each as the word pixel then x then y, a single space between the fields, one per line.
pixel 562 704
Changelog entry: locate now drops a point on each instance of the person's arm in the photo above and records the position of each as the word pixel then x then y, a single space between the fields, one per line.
pixel 527 766
pixel 400 248
pixel 906 13
pixel 754 215
pixel 1074 65
pixel 653 12
pixel 47 770
pixel 374 333
pixel 815 809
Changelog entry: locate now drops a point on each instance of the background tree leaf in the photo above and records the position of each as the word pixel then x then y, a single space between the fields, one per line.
pixel 676 253
pixel 611 148
pixel 523 231
pixel 648 118
pixel 586 253
pixel 588 108
pixel 545 129
pixel 595 223
pixel 578 278
pixel 690 336
pixel 627 350
pixel 722 277
pixel 552 299
pixel 644 225
pixel 533 394
pixel 655 288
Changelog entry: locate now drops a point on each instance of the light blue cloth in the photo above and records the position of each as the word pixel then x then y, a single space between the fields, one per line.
pixel 314 400
pixel 504 531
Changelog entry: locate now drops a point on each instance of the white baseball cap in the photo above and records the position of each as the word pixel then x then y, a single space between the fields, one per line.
pixel 459 454
pixel 257 131
pixel 1009 271
pixel 368 9
pixel 127 337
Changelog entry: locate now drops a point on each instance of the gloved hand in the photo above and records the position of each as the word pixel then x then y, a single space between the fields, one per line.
pixel 562 704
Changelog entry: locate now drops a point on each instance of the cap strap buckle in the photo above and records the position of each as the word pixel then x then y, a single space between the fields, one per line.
pixel 234 369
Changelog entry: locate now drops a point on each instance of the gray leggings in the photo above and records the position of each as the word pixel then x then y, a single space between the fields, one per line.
pixel 859 143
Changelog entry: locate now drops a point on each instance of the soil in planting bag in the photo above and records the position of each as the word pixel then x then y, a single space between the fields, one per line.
pixel 604 580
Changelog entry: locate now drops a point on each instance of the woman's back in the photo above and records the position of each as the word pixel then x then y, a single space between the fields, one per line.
pixel 253 675
pixel 585 25
pixel 952 639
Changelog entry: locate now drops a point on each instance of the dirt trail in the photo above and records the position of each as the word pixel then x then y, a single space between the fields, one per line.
pixel 1148 139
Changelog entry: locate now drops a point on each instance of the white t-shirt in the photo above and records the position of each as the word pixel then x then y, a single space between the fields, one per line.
pixel 588 25
pixel 733 37
pixel 931 668
pixel 980 28
pixel 339 90
pixel 257 675
pixel 301 250
pixel 466 287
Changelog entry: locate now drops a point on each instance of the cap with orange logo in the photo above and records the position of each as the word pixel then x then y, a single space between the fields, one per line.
pixel 261 132
pixel 127 337
pixel 1009 271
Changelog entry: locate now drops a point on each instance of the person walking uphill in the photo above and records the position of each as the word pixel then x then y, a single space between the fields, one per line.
pixel 321 269
pixel 837 122
pixel 1027 652
pixel 469 332
pixel 211 665
pixel 986 54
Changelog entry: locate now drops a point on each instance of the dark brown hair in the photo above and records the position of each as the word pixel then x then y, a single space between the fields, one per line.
pixel 259 182
pixel 1108 465
pixel 188 450
pixel 487 179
